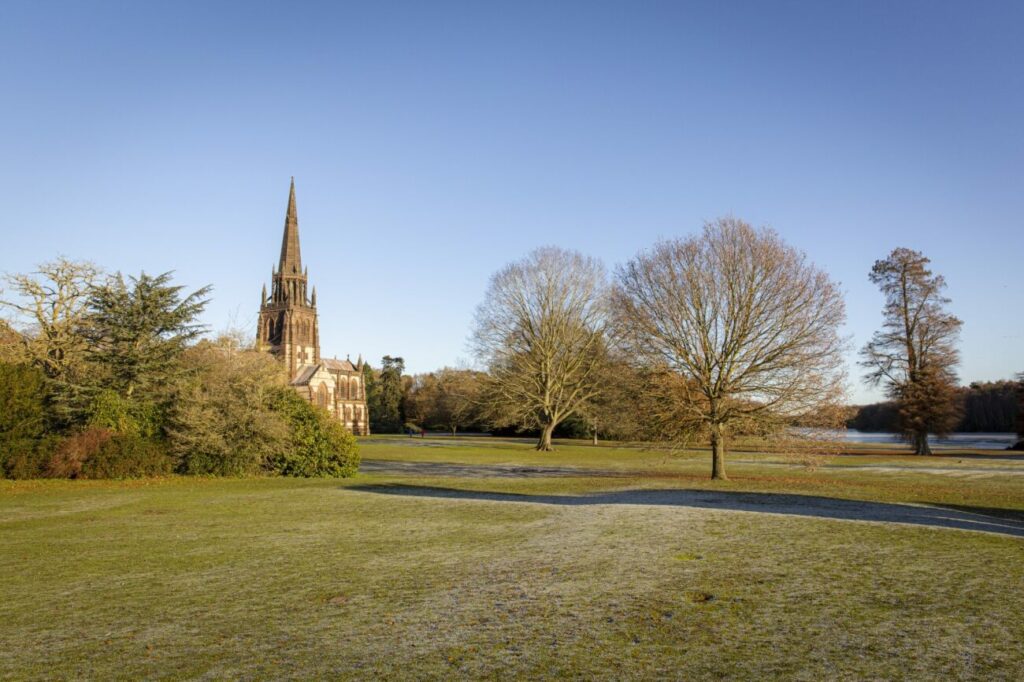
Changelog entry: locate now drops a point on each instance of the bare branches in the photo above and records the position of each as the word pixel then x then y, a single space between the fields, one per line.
pixel 743 319
pixel 540 331
pixel 51 306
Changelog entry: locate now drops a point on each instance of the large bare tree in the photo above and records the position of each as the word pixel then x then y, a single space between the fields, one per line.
pixel 51 307
pixel 540 332
pixel 914 354
pixel 749 328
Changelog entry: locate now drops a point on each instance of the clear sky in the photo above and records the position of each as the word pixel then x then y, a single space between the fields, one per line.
pixel 432 143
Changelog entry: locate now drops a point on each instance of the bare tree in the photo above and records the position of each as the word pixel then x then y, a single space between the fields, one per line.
pixel 51 308
pixel 540 332
pixel 915 354
pixel 748 327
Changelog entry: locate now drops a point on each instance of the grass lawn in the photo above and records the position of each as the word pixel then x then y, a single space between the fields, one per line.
pixel 483 559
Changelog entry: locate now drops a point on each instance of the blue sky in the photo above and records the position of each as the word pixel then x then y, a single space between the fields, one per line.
pixel 434 142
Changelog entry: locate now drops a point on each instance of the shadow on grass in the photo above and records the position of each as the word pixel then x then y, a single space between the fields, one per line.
pixel 767 503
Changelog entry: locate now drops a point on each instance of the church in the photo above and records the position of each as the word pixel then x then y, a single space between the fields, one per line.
pixel 288 328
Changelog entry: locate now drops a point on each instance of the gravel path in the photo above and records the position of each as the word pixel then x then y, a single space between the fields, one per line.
pixel 763 503
pixel 387 466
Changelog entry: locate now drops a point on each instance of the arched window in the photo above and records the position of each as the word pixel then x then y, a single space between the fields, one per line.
pixel 321 395
pixel 354 387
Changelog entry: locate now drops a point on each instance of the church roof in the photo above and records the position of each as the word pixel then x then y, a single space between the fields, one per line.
pixel 306 373
pixel 342 365
pixel 291 258
pixel 303 377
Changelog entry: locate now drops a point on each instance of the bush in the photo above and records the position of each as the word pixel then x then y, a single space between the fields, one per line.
pixel 109 410
pixel 73 452
pixel 28 458
pixel 223 422
pixel 318 444
pixel 23 393
pixel 100 453
pixel 128 455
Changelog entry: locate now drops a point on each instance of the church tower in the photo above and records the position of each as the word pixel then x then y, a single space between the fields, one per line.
pixel 288 328
pixel 287 324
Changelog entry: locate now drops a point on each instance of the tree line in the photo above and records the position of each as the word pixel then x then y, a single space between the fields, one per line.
pixel 727 332
pixel 107 376
pixel 983 407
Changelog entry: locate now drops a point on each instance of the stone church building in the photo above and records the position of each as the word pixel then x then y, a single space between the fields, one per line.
pixel 288 328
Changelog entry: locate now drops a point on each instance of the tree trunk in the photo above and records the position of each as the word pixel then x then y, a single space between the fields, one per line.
pixel 454 429
pixel 595 437
pixel 921 446
pixel 718 453
pixel 544 444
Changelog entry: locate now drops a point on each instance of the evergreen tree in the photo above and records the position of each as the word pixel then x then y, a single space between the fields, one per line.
pixel 384 393
pixel 138 328
pixel 23 417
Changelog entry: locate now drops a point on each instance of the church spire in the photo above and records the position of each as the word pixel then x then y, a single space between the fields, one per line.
pixel 291 259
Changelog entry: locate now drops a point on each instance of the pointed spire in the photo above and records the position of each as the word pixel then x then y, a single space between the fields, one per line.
pixel 291 259
pixel 263 297
pixel 313 300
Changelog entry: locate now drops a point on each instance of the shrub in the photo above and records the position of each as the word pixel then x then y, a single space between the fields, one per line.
pixel 318 444
pixel 110 410
pixel 127 455
pixel 28 458
pixel 23 393
pixel 75 450
pixel 223 422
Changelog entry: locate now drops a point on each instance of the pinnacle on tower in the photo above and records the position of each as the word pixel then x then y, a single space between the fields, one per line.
pixel 291 258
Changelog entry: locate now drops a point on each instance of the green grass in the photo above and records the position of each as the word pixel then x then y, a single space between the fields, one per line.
pixel 277 578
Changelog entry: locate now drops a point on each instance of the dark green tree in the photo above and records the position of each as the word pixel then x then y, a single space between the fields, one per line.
pixel 384 393
pixel 139 327
pixel 23 417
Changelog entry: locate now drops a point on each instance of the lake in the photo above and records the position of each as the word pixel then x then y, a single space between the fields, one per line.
pixel 976 441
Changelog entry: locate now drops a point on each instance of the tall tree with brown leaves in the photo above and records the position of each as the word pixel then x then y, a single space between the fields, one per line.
pixel 743 325
pixel 914 355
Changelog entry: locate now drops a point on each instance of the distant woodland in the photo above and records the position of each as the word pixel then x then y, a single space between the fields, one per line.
pixel 984 407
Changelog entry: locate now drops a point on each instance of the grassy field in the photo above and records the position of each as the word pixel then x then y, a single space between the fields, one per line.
pixel 483 559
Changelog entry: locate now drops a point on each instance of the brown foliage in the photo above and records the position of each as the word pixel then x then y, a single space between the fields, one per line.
pixel 75 450
pixel 914 354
